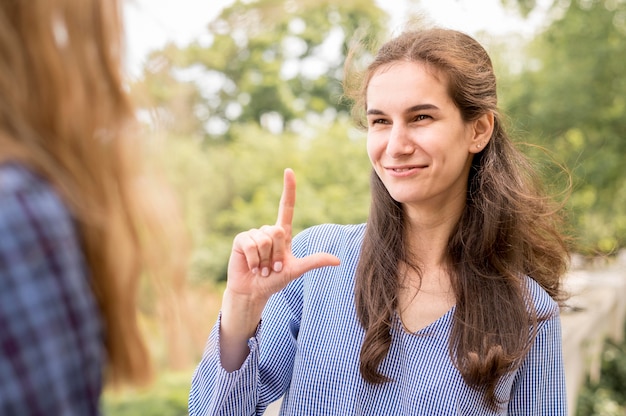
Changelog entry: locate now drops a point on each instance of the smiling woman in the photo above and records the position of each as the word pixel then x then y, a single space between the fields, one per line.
pixel 418 143
pixel 445 302
pixel 422 150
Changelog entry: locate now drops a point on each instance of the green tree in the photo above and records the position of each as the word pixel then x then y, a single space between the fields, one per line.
pixel 264 93
pixel 573 102
pixel 270 62
pixel 523 6
pixel 235 186
pixel 606 396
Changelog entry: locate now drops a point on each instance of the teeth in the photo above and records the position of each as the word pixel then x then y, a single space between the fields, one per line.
pixel 401 170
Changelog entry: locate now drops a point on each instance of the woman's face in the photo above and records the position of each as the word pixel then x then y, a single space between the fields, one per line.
pixel 418 143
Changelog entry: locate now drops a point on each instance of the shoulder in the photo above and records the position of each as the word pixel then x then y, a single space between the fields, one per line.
pixel 544 306
pixel 48 310
pixel 29 200
pixel 16 178
pixel 41 257
pixel 330 238
pixel 38 235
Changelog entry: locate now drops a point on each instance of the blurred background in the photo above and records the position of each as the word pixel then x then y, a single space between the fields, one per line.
pixel 232 92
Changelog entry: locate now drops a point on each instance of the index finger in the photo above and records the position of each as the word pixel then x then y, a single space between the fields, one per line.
pixel 287 201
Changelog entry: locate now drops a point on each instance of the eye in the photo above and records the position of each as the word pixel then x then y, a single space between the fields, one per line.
pixel 378 121
pixel 421 117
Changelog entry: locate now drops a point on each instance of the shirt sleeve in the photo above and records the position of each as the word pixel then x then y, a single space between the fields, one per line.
pixel 215 391
pixel 51 341
pixel 539 387
pixel 266 373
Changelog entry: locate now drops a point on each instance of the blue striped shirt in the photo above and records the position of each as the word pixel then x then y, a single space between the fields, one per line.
pixel 307 349
pixel 51 334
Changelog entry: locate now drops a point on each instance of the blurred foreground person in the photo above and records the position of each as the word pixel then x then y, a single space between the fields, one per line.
pixel 444 303
pixel 79 223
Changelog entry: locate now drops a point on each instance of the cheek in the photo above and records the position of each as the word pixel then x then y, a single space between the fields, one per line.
pixel 370 150
pixel 374 147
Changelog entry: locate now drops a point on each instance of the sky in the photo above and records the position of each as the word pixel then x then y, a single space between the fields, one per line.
pixel 150 24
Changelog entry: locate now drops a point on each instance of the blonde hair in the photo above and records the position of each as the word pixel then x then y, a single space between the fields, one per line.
pixel 65 112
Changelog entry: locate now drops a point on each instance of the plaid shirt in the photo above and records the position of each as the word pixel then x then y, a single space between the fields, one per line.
pixel 51 335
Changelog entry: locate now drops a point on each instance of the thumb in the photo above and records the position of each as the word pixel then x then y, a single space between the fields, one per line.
pixel 313 261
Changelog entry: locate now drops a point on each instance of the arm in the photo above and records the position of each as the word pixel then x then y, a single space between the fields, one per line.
pixel 261 264
pixel 266 372
pixel 51 340
pixel 539 387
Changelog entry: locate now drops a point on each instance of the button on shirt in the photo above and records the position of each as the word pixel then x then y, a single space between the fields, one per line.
pixel 307 350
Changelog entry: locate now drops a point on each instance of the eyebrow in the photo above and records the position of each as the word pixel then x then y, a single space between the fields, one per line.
pixel 419 107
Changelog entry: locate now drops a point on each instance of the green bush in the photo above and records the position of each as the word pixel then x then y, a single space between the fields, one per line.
pixel 166 397
pixel 607 397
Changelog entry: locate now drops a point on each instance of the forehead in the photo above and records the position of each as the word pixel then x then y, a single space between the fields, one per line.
pixel 422 65
pixel 407 80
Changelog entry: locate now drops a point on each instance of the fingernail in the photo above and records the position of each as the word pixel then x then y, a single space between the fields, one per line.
pixel 255 270
pixel 278 266
pixel 265 272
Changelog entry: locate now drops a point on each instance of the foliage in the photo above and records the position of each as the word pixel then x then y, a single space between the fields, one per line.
pixel 607 397
pixel 262 93
pixel 523 6
pixel 167 397
pixel 236 186
pixel 571 99
pixel 270 62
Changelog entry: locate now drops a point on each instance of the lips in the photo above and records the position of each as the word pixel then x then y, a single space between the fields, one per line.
pixel 405 170
pixel 401 169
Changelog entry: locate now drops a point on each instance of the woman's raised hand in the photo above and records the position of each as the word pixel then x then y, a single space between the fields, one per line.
pixel 261 262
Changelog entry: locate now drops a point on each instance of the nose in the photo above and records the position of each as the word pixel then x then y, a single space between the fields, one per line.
pixel 399 142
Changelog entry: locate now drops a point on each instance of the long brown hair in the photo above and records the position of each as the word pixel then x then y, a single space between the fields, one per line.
pixel 65 113
pixel 508 230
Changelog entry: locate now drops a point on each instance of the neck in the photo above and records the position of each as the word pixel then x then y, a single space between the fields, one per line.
pixel 428 233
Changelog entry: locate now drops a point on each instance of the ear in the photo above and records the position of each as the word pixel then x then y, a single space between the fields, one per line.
pixel 482 128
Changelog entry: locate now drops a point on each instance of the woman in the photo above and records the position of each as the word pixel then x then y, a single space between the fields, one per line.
pixel 444 303
pixel 76 227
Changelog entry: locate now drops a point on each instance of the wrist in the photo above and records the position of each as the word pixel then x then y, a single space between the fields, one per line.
pixel 241 314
